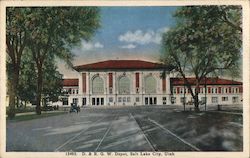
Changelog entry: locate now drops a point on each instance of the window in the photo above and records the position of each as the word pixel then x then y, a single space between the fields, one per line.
pixel 174 90
pixel 110 99
pixel 146 101
pixel 76 91
pixel 164 100
pixel 137 90
pixel 120 99
pixel 155 101
pixel 150 84
pixel 128 99
pixel 235 99
pixel 124 99
pixel 236 90
pixel 173 100
pixel 203 99
pixel 201 90
pixel 110 90
pixel 102 101
pixel 98 85
pixel 65 101
pixel 93 101
pixel 124 85
pixel 183 99
pixel 214 99
pixel 224 98
pixel 181 90
pixel 84 101
pixel 75 100
pixel 137 99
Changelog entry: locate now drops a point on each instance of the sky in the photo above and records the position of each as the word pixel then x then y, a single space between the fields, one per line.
pixel 125 33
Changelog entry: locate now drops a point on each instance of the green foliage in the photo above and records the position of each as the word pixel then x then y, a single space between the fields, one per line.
pixel 48 33
pixel 205 40
pixel 56 29
pixel 27 84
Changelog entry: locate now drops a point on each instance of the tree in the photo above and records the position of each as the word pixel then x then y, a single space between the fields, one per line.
pixel 206 40
pixel 16 41
pixel 54 31
pixel 27 80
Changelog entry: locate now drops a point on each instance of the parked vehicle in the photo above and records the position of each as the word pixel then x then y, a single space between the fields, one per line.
pixel 74 108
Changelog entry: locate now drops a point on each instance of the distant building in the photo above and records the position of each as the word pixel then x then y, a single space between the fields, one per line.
pixel 136 82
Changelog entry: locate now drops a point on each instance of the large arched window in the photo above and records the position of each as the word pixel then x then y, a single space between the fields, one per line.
pixel 150 85
pixel 97 85
pixel 124 85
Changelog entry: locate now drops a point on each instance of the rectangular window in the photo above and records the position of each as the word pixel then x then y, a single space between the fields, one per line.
pixel 183 99
pixel 232 90
pixel 124 99
pixel 181 90
pixel 155 101
pixel 235 99
pixel 173 100
pixel 174 90
pixel 110 90
pixel 128 99
pixel 164 100
pixel 137 90
pixel 214 99
pixel 93 101
pixel 102 101
pixel 75 100
pixel 137 99
pixel 146 101
pixel 203 99
pixel 65 101
pixel 120 99
pixel 224 98
pixel 84 101
pixel 97 101
pixel 201 90
pixel 110 99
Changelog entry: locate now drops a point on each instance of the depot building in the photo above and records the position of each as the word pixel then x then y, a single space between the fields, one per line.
pixel 137 82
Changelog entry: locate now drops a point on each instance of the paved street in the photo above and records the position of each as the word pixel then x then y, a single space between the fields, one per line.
pixel 128 129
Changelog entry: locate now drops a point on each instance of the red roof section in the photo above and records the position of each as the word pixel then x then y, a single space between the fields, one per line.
pixel 121 64
pixel 208 81
pixel 70 82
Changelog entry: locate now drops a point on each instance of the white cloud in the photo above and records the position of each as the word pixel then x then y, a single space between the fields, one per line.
pixel 143 37
pixel 90 45
pixel 98 45
pixel 129 46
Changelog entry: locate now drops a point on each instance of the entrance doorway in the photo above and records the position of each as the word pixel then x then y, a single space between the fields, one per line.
pixel 84 101
pixel 150 100
pixel 97 101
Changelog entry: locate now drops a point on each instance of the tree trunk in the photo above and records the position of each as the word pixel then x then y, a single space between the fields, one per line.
pixel 196 99
pixel 12 92
pixel 196 103
pixel 39 90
